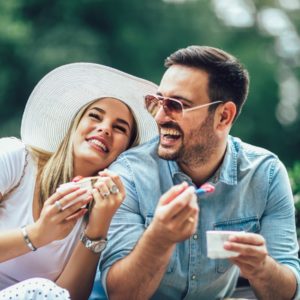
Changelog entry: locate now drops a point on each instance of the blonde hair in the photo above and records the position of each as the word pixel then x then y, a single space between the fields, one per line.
pixel 57 168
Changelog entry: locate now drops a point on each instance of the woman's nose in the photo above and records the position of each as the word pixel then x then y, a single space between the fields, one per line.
pixel 105 129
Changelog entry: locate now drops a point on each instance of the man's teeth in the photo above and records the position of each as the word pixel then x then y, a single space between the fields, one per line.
pixel 168 131
pixel 99 144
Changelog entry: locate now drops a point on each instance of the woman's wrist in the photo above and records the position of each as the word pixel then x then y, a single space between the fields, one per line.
pixel 95 230
pixel 35 237
pixel 27 239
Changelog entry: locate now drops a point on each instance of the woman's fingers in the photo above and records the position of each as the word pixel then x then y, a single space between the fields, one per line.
pixel 71 198
pixel 102 188
pixel 77 215
pixel 60 193
pixel 112 180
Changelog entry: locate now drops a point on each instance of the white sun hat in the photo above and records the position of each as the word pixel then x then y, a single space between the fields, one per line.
pixel 59 95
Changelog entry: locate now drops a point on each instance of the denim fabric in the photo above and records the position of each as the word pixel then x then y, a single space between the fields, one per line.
pixel 252 193
pixel 98 292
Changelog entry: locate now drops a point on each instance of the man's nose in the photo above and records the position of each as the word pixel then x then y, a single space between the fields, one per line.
pixel 161 116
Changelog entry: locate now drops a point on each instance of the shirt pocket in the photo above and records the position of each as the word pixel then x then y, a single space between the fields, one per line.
pixel 249 224
pixel 172 262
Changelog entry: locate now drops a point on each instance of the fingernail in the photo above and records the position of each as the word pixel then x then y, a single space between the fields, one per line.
pixel 226 245
pixel 232 238
pixel 77 178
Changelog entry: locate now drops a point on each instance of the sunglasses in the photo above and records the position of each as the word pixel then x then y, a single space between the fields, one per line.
pixel 172 107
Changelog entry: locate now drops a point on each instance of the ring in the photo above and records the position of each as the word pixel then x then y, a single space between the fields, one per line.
pixel 114 189
pixel 58 205
pixel 190 219
pixel 105 195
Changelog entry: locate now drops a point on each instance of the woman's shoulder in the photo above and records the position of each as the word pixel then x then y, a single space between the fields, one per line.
pixel 12 162
pixel 11 144
pixel 12 152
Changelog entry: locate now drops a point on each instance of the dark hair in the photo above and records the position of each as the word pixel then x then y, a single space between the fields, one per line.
pixel 228 79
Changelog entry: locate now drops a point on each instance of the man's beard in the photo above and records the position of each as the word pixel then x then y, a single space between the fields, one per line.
pixel 202 144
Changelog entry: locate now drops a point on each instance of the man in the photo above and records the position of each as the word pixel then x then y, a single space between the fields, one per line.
pixel 157 241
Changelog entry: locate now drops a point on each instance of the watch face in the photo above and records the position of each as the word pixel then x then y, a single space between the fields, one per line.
pixel 99 246
pixel 95 246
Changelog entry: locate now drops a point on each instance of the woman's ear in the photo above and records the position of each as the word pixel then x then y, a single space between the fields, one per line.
pixel 226 113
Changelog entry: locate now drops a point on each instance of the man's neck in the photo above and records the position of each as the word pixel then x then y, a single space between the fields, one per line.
pixel 201 173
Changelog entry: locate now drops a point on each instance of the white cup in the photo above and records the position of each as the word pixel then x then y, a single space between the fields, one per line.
pixel 84 185
pixel 215 243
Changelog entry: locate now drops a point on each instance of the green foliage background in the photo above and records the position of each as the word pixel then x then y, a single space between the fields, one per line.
pixel 136 36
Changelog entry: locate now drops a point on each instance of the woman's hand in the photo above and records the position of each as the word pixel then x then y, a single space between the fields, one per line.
pixel 59 215
pixel 108 194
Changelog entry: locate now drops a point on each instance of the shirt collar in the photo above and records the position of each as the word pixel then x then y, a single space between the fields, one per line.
pixel 227 172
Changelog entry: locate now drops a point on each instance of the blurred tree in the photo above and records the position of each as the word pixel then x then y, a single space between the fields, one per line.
pixel 136 36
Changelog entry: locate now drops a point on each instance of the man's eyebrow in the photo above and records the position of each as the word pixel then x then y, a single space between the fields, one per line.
pixel 177 98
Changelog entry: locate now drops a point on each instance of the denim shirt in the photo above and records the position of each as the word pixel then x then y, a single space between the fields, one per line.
pixel 252 194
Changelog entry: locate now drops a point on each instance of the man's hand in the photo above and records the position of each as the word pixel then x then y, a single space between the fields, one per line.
pixel 252 253
pixel 176 215
pixel 268 278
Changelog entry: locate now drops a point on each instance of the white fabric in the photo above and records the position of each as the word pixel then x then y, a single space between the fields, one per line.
pixel 35 289
pixel 16 210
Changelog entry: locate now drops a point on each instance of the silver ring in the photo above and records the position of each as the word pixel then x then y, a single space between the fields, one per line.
pixel 114 189
pixel 105 195
pixel 58 205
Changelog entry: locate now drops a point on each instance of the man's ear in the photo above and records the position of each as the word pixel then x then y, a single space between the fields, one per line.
pixel 226 113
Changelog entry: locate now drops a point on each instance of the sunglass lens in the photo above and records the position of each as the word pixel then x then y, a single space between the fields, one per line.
pixel 152 104
pixel 172 108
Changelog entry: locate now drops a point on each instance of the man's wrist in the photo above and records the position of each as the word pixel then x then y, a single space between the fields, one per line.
pixel 263 273
pixel 157 240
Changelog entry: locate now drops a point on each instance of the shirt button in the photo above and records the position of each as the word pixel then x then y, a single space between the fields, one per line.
pixel 193 277
pixel 195 236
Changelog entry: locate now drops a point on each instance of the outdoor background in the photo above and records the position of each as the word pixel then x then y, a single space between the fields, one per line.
pixel 135 36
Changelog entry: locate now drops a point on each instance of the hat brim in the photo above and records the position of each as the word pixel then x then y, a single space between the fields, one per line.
pixel 59 95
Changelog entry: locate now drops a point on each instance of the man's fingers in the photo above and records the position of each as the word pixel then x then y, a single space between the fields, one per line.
pixel 248 238
pixel 173 193
pixel 188 214
pixel 178 204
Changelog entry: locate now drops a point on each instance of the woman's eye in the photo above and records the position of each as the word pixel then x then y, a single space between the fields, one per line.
pixel 95 116
pixel 121 128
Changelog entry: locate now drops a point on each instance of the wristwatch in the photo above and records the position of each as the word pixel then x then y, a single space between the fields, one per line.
pixel 96 246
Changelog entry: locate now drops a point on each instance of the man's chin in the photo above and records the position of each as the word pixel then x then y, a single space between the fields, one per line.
pixel 167 153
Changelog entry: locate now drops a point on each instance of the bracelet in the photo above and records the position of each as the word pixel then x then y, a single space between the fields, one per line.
pixel 27 239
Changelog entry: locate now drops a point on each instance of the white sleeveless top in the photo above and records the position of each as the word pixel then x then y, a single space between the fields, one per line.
pixel 16 210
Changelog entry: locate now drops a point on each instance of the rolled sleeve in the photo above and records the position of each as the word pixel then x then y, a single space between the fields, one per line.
pixel 127 225
pixel 278 222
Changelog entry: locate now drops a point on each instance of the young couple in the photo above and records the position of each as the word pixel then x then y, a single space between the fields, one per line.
pixel 158 233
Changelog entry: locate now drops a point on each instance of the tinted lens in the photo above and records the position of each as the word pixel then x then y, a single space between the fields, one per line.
pixel 172 107
pixel 152 104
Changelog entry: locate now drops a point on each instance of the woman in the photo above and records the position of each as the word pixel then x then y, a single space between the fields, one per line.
pixel 78 119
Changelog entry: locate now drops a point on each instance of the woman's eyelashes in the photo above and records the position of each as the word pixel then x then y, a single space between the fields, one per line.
pixel 121 128
pixel 117 127
pixel 95 116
